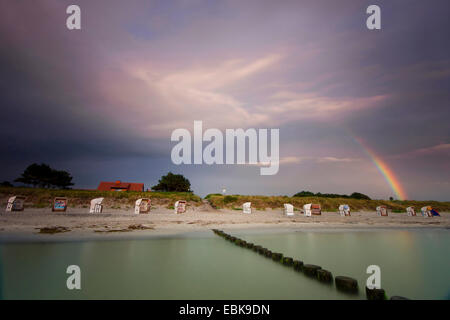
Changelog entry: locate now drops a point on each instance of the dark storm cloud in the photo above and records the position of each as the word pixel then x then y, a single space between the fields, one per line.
pixel 48 84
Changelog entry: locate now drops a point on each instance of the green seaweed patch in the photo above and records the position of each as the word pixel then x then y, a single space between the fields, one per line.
pixel 130 228
pixel 140 227
pixel 398 298
pixel 53 230
pixel 112 230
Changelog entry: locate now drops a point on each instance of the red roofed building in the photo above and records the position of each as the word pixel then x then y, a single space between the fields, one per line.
pixel 120 186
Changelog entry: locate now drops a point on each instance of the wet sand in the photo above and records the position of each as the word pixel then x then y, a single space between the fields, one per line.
pixel 78 223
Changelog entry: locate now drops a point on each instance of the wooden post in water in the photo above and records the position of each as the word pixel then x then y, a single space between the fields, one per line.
pixel 346 284
pixel 375 294
pixel 324 276
pixel 311 270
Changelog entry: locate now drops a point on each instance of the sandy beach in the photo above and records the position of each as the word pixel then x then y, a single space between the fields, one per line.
pixel 37 224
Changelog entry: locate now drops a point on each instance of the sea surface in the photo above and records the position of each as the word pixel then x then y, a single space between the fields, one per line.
pixel 201 265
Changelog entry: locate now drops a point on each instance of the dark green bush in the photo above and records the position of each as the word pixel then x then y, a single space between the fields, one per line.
pixel 229 199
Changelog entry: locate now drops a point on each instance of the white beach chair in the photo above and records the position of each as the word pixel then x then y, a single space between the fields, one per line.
pixel 382 211
pixel 15 203
pixel 426 211
pixel 288 209
pixel 247 207
pixel 344 210
pixel 410 211
pixel 180 206
pixel 96 205
pixel 142 206
pixel 307 210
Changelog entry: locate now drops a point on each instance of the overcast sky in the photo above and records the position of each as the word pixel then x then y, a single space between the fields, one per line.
pixel 102 102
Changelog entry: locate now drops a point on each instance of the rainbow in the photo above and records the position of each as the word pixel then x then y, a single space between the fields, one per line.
pixel 384 169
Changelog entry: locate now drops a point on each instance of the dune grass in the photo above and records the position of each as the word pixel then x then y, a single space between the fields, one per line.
pixel 42 198
pixel 327 204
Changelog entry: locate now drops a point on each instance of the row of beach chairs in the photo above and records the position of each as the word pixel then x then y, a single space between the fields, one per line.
pixel 344 210
pixel 143 205
pixel 60 204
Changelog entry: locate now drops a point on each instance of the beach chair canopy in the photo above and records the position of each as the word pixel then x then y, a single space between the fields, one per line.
pixel 97 200
pixel 247 207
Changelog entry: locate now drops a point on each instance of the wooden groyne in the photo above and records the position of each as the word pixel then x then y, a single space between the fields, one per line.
pixel 342 283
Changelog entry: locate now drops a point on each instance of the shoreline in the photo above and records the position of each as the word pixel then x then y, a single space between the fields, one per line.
pixel 161 222
pixel 18 238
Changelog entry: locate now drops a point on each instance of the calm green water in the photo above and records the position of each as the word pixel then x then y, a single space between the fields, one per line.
pixel 415 264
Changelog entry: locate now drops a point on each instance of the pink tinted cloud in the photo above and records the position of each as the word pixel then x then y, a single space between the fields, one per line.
pixel 165 99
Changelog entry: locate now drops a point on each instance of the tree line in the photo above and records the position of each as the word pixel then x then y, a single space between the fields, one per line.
pixel 43 176
pixel 354 195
